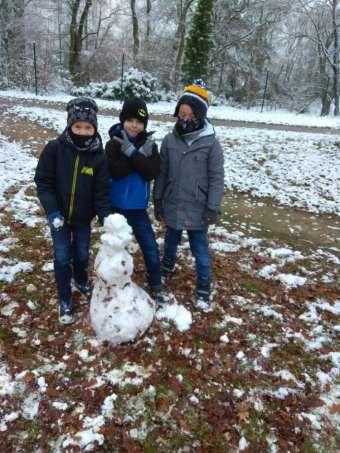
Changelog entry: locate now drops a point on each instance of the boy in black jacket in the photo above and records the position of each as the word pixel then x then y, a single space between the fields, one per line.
pixel 133 162
pixel 72 186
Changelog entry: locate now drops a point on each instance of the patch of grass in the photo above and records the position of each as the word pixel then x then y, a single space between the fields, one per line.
pixel 161 390
pixel 308 447
pixel 3 333
pixel 8 194
pixel 254 431
pixel 149 446
pixel 45 333
pixel 33 430
pixel 251 286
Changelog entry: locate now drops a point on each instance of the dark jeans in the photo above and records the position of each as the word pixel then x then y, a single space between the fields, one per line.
pixel 71 256
pixel 198 240
pixel 141 226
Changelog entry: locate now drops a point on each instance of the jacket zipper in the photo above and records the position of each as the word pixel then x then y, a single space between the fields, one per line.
pixel 73 190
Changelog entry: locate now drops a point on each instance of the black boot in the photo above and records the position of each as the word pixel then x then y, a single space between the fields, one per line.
pixel 203 294
pixel 166 270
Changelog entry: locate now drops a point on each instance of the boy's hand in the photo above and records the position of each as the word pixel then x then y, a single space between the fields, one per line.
pixel 146 149
pixel 158 210
pixel 126 147
pixel 56 220
pixel 209 216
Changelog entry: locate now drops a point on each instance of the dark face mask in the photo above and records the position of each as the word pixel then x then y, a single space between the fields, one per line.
pixel 81 141
pixel 186 126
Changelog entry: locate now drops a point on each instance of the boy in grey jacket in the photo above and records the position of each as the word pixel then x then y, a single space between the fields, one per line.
pixel 189 189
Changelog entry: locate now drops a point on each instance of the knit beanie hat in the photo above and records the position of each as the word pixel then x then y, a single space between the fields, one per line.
pixel 134 108
pixel 82 109
pixel 197 97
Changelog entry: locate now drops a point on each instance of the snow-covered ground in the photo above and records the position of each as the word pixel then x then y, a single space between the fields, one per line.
pixel 296 169
pixel 217 112
pixel 263 363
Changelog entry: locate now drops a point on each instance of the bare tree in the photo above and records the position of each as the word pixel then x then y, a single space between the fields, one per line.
pixel 135 30
pixel 77 36
pixel 148 20
pixel 182 8
pixel 335 5
pixel 12 41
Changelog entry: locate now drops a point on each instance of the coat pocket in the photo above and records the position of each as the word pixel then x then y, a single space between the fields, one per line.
pixel 168 189
pixel 201 192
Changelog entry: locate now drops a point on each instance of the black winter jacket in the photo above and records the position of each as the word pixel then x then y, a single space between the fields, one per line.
pixel 120 165
pixel 74 182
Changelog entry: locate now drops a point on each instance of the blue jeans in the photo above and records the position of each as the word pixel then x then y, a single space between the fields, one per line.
pixel 71 246
pixel 141 226
pixel 199 247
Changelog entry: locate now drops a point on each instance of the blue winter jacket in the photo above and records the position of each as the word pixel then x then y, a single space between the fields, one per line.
pixel 131 176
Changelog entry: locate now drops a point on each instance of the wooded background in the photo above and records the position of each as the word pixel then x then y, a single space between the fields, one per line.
pixel 233 44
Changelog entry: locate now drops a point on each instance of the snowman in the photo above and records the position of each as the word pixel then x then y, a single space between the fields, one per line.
pixel 120 311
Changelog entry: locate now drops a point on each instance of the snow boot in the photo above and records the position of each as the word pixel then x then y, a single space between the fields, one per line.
pixel 166 270
pixel 203 295
pixel 158 295
pixel 66 312
pixel 85 289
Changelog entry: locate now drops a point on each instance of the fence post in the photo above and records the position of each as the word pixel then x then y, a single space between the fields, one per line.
pixel 35 70
pixel 264 91
pixel 121 76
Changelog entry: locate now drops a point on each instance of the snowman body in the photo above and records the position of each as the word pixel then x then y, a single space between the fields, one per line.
pixel 120 310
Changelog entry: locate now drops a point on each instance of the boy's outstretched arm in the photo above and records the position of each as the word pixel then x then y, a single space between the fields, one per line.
pixel 215 177
pixel 45 179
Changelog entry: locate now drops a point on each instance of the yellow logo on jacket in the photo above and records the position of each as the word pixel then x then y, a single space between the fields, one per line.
pixel 87 171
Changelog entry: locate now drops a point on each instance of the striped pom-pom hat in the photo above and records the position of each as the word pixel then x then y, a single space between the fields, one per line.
pixel 196 96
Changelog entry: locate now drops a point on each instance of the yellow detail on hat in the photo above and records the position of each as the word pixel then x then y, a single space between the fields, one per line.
pixel 199 91
pixel 142 113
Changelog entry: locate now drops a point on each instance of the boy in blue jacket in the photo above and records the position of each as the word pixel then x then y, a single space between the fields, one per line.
pixel 134 161
pixel 72 186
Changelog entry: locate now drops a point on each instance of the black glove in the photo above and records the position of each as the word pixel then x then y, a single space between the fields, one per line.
pixel 158 209
pixel 209 216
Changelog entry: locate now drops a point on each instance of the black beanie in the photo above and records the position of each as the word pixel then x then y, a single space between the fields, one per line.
pixel 82 109
pixel 134 108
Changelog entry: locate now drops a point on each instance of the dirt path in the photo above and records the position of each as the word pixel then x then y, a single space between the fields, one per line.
pixel 169 118
pixel 266 219
pixel 20 130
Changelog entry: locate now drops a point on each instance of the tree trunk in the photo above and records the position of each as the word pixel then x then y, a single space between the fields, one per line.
pixel 12 41
pixel 135 30
pixel 336 25
pixel 148 24
pixel 182 11
pixel 77 32
pixel 325 95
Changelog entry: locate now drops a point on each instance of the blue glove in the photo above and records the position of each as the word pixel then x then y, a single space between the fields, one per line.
pixel 126 147
pixel 56 220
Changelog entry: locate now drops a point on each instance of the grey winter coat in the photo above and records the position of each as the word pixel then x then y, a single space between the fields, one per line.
pixel 191 178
